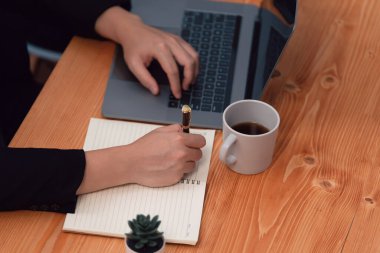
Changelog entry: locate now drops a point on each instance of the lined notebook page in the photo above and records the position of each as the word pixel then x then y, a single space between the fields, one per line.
pixel 107 212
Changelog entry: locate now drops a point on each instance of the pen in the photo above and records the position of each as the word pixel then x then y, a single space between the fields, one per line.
pixel 186 116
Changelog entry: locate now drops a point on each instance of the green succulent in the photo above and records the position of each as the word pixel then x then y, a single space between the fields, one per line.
pixel 144 231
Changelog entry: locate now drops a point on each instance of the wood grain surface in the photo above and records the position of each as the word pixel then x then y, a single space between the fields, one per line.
pixel 321 193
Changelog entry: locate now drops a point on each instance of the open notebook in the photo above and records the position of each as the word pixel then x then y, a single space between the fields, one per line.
pixel 107 212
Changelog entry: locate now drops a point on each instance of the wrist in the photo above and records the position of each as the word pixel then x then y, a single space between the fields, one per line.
pixel 115 22
pixel 104 169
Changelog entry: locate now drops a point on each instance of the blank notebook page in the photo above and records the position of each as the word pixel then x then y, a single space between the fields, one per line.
pixel 107 212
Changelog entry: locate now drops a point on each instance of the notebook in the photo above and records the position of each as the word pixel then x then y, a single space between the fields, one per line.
pixel 239 46
pixel 107 212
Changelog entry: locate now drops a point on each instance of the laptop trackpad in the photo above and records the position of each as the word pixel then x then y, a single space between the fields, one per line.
pixel 130 98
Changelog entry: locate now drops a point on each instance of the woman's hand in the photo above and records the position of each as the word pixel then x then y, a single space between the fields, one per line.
pixel 159 158
pixel 142 44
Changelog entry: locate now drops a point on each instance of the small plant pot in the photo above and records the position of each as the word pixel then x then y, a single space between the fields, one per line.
pixel 129 248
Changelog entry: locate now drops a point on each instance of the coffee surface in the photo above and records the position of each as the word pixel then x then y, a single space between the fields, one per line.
pixel 250 128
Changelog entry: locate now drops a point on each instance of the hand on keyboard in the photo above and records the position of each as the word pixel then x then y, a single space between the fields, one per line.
pixel 142 44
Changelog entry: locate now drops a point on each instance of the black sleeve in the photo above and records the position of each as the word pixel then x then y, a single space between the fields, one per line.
pixel 77 17
pixel 40 179
pixel 81 15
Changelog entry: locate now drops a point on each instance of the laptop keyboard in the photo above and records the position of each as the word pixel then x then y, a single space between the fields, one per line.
pixel 214 37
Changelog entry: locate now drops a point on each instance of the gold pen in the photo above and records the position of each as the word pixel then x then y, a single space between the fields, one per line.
pixel 186 117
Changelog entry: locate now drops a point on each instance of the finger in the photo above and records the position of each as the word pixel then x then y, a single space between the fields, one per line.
pixel 184 58
pixel 168 64
pixel 193 154
pixel 170 128
pixel 189 166
pixel 140 71
pixel 194 140
pixel 194 54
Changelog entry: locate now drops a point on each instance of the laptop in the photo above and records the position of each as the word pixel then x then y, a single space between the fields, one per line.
pixel 239 46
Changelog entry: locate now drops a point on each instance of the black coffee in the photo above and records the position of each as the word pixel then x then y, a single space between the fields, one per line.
pixel 250 128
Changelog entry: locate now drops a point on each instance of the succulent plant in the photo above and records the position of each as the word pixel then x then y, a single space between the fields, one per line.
pixel 144 231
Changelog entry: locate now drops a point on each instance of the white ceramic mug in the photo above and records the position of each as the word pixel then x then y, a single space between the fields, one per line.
pixel 244 153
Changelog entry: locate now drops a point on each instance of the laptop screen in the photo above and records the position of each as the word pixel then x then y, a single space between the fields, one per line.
pixel 273 29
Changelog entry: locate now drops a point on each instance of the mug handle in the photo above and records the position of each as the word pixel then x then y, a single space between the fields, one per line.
pixel 230 159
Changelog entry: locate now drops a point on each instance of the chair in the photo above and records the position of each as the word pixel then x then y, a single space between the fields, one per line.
pixel 43 53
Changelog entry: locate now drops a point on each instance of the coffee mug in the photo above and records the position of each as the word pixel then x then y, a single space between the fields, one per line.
pixel 250 130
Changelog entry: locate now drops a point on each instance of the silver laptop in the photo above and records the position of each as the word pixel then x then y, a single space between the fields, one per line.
pixel 239 46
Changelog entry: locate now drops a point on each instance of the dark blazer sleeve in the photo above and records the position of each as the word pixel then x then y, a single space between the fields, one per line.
pixel 76 16
pixel 81 15
pixel 40 179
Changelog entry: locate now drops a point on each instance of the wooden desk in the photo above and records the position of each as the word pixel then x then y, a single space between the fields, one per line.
pixel 322 192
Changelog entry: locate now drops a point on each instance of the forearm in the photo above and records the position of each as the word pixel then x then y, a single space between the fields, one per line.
pixel 115 22
pixel 104 169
